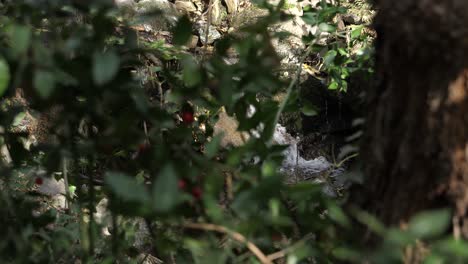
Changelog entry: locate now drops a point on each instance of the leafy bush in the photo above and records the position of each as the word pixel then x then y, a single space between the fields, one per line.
pixel 76 64
pixel 152 154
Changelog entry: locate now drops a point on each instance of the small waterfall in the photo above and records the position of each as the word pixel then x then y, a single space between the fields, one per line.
pixel 298 169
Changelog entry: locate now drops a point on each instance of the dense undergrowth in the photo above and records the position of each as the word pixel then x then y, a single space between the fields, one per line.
pixel 149 154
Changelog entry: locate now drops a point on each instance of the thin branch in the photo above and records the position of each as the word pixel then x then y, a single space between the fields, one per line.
pixel 234 235
pixel 96 182
pixel 145 130
pixel 282 253
pixel 91 208
pixel 65 179
pixel 115 237
pixel 208 24
pixel 346 159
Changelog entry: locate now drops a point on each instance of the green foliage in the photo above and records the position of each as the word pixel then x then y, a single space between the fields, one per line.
pixel 4 76
pixel 105 67
pixel 165 191
pixel 44 82
pixel 182 31
pixel 430 224
pixel 347 50
pixel 155 153
pixel 152 154
pixel 127 188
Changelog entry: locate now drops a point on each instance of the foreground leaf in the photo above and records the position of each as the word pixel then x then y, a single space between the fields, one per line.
pixel 105 67
pixel 44 83
pixel 430 223
pixel 165 190
pixel 126 187
pixel 4 76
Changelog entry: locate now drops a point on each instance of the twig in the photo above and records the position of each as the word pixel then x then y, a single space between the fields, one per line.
pixel 145 129
pixel 172 258
pixel 144 259
pixel 234 235
pixel 91 208
pixel 96 182
pixel 282 253
pixel 229 191
pixel 207 30
pixel 346 159
pixel 115 237
pixel 65 179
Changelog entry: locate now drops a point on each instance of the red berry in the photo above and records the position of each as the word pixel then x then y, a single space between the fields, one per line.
pixel 182 184
pixel 197 192
pixel 187 117
pixel 143 147
pixel 276 237
pixel 39 181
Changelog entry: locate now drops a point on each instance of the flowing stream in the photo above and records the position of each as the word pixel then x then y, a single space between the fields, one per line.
pixel 298 169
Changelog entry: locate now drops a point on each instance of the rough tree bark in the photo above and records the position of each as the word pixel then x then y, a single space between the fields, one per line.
pixel 416 144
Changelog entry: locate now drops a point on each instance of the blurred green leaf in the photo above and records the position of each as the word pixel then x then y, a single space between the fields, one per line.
pixel 430 224
pixel 356 33
pixel 126 187
pixel 212 147
pixel 329 58
pixel 333 85
pixel 347 254
pixel 182 31
pixel 325 27
pixel 342 52
pixel 191 72
pixel 310 18
pixel 20 37
pixel 72 190
pixel 268 168
pixel 165 190
pixel 44 83
pixel 370 221
pixel 4 76
pixel 105 66
pixel 399 237
pixel 309 109
pixel 338 215
pixel 18 118
pixel 434 259
pixel 451 247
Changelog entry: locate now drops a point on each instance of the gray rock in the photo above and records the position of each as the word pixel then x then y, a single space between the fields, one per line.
pixel 351 19
pixel 185 6
pixel 290 48
pixel 54 189
pixel 213 34
pixel 168 13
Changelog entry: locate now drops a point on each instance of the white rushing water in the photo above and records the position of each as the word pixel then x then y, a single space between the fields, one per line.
pixel 299 169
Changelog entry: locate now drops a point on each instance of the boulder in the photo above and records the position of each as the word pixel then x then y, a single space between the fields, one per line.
pixel 159 14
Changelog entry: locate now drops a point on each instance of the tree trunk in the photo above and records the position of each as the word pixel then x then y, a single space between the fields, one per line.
pixel 416 143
